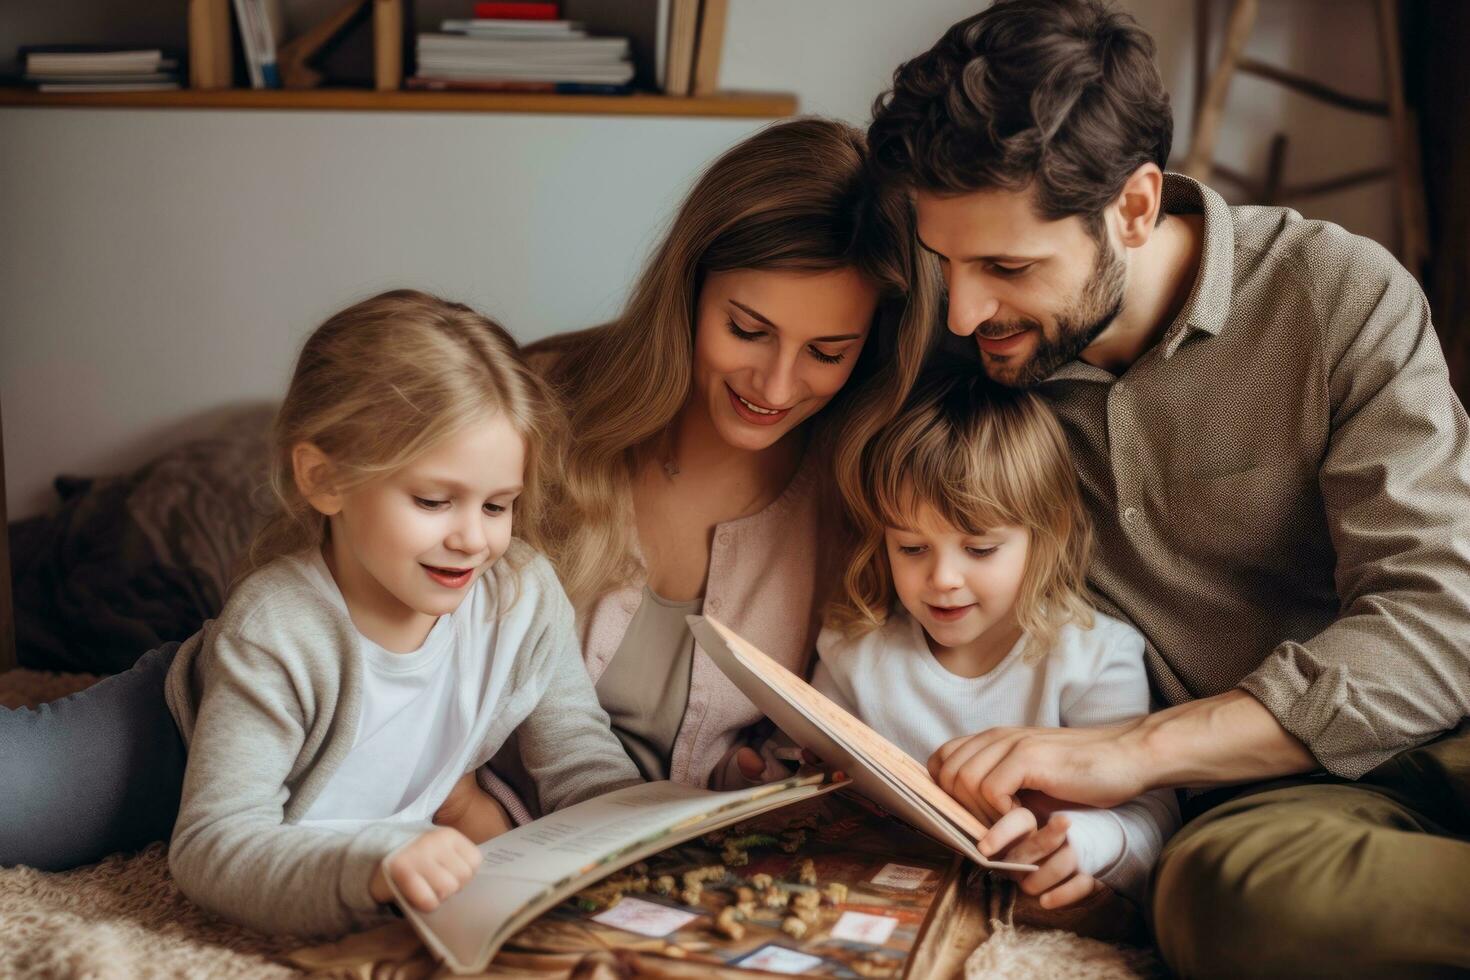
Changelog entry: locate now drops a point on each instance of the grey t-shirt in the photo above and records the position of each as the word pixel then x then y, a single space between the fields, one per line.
pixel 645 688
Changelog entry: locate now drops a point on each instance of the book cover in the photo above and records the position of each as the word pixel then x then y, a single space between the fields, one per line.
pixel 879 770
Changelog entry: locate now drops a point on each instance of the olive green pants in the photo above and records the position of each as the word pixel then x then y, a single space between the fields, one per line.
pixel 1321 877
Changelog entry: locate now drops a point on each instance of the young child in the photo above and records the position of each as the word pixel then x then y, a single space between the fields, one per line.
pixel 964 609
pixel 390 638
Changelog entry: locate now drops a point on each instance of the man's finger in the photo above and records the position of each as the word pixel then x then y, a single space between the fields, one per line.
pixel 1010 774
pixel 953 753
pixel 966 792
pixel 989 747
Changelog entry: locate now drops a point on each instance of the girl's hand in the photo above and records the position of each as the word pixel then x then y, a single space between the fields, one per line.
pixel 428 869
pixel 1057 879
pixel 472 811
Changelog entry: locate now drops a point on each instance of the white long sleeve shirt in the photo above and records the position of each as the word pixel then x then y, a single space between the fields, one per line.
pixel 891 681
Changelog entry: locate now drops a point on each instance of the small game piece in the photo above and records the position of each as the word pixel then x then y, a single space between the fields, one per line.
pixel 806 872
pixel 806 900
pixel 835 893
pixel 761 881
pixel 793 927
pixel 727 923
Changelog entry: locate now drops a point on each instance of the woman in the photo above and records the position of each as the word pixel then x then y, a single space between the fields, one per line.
pixel 704 423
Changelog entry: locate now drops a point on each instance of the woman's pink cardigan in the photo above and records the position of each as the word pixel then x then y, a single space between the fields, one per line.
pixel 762 584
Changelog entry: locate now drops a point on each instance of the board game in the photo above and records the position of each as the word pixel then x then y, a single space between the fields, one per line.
pixel 829 887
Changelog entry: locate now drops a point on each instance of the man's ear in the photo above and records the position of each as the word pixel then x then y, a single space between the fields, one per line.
pixel 312 470
pixel 1138 205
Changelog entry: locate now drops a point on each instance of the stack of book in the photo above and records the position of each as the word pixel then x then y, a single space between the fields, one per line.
pixel 82 68
pixel 521 47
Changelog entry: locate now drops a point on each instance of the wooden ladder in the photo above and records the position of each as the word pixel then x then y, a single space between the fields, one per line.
pixel 1412 246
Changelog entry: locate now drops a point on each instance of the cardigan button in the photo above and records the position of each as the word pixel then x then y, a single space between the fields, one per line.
pixel 714 605
pixel 723 537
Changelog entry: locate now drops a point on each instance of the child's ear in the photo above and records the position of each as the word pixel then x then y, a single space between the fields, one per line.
pixel 312 470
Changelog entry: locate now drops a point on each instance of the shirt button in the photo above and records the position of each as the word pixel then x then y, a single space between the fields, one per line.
pixel 1131 515
pixel 714 605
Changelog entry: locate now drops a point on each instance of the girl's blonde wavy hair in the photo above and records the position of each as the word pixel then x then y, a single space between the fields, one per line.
pixel 796 196
pixel 383 382
pixel 982 456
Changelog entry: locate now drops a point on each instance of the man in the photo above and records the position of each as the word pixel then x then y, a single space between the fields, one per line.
pixel 1279 475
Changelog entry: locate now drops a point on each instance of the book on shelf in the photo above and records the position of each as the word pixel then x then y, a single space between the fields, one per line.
pixel 90 68
pixel 551 88
pixel 515 30
pixel 710 46
pixel 531 869
pixel 683 31
pixel 674 44
pixel 645 23
pixel 260 26
pixel 516 11
pixel 548 54
pixel 107 86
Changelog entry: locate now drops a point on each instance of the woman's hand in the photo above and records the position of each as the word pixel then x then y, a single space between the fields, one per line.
pixel 1057 880
pixel 428 869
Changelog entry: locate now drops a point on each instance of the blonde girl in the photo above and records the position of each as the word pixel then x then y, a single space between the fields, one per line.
pixel 391 636
pixel 964 608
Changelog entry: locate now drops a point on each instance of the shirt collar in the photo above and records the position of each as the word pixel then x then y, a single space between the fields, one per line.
pixel 1208 306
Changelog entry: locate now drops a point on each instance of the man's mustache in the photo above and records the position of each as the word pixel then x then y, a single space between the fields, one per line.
pixel 995 330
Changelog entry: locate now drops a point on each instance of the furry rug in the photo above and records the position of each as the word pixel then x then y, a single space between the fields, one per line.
pixel 124 917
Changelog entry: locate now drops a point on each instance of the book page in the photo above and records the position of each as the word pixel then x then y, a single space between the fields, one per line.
pixel 530 868
pixel 880 768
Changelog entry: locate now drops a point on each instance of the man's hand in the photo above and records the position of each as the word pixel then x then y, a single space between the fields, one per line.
pixel 1230 738
pixel 985 772
pixel 1058 880
pixel 427 870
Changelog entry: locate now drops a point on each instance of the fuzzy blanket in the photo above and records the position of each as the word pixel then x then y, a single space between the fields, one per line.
pixel 125 918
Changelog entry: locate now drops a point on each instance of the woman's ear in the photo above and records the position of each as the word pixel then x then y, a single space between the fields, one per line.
pixel 312 471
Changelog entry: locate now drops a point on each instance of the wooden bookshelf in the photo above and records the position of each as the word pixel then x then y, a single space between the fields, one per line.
pixel 763 105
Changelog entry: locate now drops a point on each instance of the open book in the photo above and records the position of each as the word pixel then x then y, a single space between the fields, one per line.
pixel 878 769
pixel 534 867
pixel 531 869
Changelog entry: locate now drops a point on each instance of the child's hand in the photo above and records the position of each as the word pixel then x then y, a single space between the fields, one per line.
pixel 428 869
pixel 472 811
pixel 1057 879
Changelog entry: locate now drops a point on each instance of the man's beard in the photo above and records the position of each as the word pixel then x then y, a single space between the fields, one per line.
pixel 1098 302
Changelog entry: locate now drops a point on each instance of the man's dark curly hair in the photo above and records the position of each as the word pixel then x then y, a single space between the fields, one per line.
pixel 1062 94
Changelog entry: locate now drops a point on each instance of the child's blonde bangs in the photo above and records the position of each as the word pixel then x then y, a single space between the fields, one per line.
pixel 982 457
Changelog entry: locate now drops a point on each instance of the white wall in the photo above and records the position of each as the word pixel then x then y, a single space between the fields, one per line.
pixel 155 265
